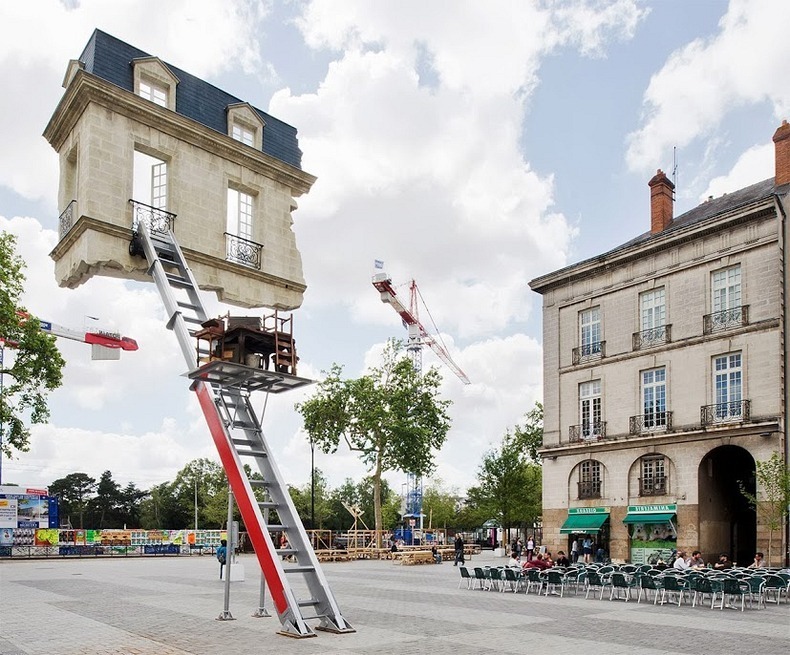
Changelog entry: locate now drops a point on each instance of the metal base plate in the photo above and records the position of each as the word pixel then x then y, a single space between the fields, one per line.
pixel 230 374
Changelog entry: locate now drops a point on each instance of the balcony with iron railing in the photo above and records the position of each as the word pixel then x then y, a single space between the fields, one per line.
pixel 243 251
pixel 652 422
pixel 656 336
pixel 586 432
pixel 66 219
pixel 588 352
pixel 590 489
pixel 736 411
pixel 158 221
pixel 725 319
pixel 655 486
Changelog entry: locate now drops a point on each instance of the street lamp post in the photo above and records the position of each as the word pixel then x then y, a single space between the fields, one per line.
pixel 312 484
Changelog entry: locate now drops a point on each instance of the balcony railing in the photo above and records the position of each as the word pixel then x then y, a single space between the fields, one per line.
pixel 593 431
pixel 726 319
pixel 158 221
pixel 656 336
pixel 590 489
pixel 66 219
pixel 655 422
pixel 656 486
pixel 589 351
pixel 736 411
pixel 242 251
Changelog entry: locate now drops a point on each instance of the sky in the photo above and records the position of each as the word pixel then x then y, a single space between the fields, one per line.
pixel 470 146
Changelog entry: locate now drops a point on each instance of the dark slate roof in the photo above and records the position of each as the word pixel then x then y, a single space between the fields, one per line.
pixel 111 59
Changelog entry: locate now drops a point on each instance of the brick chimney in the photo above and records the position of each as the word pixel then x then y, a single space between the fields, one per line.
pixel 782 154
pixel 661 201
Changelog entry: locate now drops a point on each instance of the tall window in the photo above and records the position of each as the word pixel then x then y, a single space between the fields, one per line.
pixel 590 479
pixel 590 332
pixel 153 92
pixel 727 385
pixel 590 409
pixel 239 214
pixel 243 134
pixel 653 310
pixel 726 289
pixel 654 480
pixel 654 398
pixel 149 185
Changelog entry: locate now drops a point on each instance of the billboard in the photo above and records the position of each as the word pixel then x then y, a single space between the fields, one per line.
pixel 27 507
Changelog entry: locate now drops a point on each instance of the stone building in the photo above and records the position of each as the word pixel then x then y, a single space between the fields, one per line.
pixel 139 139
pixel 664 378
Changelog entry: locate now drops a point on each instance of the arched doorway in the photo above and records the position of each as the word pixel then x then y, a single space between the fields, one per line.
pixel 727 523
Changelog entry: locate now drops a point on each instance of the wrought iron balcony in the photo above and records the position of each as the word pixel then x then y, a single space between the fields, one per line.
pixel 66 219
pixel 592 431
pixel 158 221
pixel 737 411
pixel 654 422
pixel 590 351
pixel 656 336
pixel 590 489
pixel 242 251
pixel 726 319
pixel 656 486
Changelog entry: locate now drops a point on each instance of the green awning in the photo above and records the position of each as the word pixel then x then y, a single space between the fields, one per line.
pixel 584 523
pixel 649 517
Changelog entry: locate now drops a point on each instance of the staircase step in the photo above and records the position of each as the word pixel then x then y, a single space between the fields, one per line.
pixel 176 281
pixel 307 602
pixel 252 453
pixel 260 483
pixel 299 569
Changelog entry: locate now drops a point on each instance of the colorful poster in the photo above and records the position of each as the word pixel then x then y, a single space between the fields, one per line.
pixel 8 512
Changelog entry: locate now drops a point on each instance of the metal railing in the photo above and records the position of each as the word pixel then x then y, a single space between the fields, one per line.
pixel 66 219
pixel 725 319
pixel 158 221
pixel 656 486
pixel 656 336
pixel 736 411
pixel 590 489
pixel 243 251
pixel 589 351
pixel 654 422
pixel 593 431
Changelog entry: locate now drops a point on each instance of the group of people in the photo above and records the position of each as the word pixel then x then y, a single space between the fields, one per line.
pixel 681 562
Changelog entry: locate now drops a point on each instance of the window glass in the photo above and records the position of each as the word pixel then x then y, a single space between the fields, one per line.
pixel 652 309
pixel 726 289
pixel 239 220
pixel 153 92
pixel 590 408
pixel 654 397
pixel 240 133
pixel 590 331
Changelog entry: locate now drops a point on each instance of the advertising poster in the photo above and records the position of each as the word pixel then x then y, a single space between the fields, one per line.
pixel 32 508
pixel 8 513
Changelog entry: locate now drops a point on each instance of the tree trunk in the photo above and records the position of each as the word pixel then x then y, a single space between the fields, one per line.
pixel 377 500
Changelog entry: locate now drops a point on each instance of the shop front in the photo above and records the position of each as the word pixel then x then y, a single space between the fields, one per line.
pixel 653 532
pixel 592 522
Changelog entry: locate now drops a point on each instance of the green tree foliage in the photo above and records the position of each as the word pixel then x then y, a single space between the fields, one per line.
pixel 75 491
pixel 129 505
pixel 773 496
pixel 529 437
pixel 440 506
pixel 162 509
pixel 303 497
pixel 104 507
pixel 36 367
pixel 207 478
pixel 392 417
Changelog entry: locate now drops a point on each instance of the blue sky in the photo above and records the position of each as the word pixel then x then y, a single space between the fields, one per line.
pixel 471 146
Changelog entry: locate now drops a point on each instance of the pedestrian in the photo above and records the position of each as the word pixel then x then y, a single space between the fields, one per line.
pixel 530 548
pixel 459 550
pixel 587 546
pixel 222 555
pixel 436 555
pixel 519 548
pixel 575 550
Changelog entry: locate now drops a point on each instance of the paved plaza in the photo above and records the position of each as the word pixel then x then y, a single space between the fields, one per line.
pixel 168 606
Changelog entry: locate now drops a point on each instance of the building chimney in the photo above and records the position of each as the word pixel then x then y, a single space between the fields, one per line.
pixel 661 201
pixel 782 154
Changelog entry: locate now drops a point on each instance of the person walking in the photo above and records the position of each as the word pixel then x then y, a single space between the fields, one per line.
pixel 222 555
pixel 587 546
pixel 530 548
pixel 575 550
pixel 459 550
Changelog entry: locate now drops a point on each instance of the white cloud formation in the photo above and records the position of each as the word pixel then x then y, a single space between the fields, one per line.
pixel 747 62
pixel 754 165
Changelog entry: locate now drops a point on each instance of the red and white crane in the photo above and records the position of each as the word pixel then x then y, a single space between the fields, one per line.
pixel 418 335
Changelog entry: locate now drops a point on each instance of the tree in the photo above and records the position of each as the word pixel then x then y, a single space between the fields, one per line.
pixel 440 505
pixel 74 492
pixel 203 480
pixel 130 505
pixel 393 417
pixel 773 495
pixel 106 503
pixel 529 436
pixel 37 365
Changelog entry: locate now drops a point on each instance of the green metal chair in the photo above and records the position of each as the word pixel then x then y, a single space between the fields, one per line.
pixel 620 584
pixel 534 579
pixel 552 580
pixel 593 580
pixel 728 588
pixel 672 584
pixel 466 576
pixel 648 583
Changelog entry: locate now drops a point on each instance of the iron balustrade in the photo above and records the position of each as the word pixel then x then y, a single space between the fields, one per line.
pixel 725 319
pixel 594 350
pixel 590 489
pixel 652 422
pixel 66 219
pixel 656 486
pixel 242 251
pixel 592 431
pixel 735 411
pixel 656 336
pixel 158 221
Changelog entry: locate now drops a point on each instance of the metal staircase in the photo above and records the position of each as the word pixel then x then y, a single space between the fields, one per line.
pixel 224 390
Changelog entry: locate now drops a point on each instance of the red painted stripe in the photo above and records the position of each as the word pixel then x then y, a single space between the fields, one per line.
pixel 246 508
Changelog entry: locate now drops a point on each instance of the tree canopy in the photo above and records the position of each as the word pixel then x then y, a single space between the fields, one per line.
pixel 36 365
pixel 393 417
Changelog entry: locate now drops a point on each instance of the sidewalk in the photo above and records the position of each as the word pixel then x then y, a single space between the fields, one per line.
pixel 168 606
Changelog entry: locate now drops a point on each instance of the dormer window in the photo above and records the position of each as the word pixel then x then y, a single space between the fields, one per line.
pixel 153 92
pixel 245 125
pixel 154 81
pixel 244 134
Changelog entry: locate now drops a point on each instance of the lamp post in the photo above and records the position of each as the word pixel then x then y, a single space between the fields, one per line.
pixel 2 427
pixel 312 484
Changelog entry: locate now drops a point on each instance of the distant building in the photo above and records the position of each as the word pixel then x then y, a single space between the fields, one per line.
pixel 664 378
pixel 140 139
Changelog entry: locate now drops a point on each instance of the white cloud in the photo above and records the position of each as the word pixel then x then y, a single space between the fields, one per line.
pixel 754 165
pixel 746 63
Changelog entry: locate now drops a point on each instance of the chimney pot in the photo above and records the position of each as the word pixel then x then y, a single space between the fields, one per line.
pixel 661 200
pixel 782 154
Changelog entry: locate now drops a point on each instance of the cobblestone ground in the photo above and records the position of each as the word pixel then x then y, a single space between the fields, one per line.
pixel 168 606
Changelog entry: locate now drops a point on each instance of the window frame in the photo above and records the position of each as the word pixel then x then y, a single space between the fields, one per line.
pixel 656 406
pixel 726 288
pixel 651 305
pixel 591 407
pixel 727 384
pixel 653 468
pixel 590 331
pixel 590 479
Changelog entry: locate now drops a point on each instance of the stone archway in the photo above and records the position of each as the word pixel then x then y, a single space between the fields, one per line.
pixel 727 523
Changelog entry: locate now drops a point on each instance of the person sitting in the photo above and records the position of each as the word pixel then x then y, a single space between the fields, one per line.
pixel 723 563
pixel 696 561
pixel 394 547
pixel 758 562
pixel 680 563
pixel 547 559
pixel 514 560
pixel 537 563
pixel 562 559
pixel 437 556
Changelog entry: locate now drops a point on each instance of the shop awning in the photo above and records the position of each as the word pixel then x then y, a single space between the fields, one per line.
pixel 584 523
pixel 650 518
